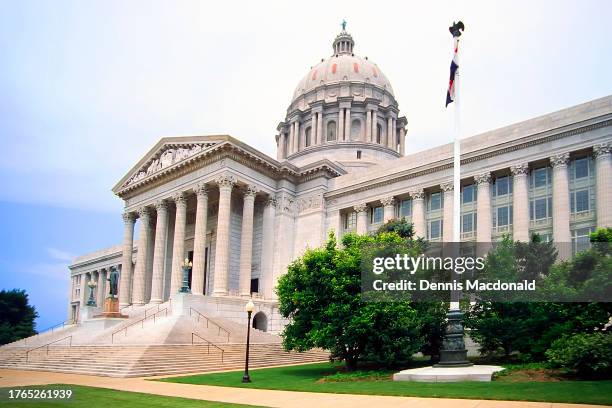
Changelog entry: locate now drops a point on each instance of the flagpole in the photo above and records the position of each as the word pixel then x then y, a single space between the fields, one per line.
pixel 456 236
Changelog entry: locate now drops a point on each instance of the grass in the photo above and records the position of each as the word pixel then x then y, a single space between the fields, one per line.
pixel 328 377
pixel 91 397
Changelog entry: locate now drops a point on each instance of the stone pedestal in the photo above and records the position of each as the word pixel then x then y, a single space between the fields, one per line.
pixel 111 309
pixel 86 313
pixel 446 374
pixel 180 305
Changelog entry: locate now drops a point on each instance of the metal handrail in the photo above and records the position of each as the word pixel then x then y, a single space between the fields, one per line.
pixel 209 343
pixel 141 321
pixel 211 321
pixel 52 328
pixel 47 346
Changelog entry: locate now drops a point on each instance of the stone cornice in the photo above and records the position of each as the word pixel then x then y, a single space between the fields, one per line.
pixel 475 156
pixel 230 148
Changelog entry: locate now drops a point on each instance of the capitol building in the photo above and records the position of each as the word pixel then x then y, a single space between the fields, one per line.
pixel 241 217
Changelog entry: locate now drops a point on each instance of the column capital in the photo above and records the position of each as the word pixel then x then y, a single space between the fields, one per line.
pixel 161 205
pixel 417 194
pixel 179 198
pixel 225 181
pixel 250 191
pixel 201 190
pixel 483 178
pixel 360 208
pixel 271 202
pixel 128 217
pixel 520 169
pixel 559 160
pixel 144 213
pixel 387 201
pixel 602 150
pixel 446 187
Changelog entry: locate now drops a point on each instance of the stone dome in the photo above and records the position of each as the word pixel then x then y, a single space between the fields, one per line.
pixel 343 65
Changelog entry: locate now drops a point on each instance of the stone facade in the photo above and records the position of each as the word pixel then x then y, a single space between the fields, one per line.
pixel 241 217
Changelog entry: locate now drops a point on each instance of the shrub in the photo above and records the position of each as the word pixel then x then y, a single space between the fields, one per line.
pixel 588 355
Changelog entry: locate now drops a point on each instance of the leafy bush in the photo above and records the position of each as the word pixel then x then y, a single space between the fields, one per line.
pixel 588 355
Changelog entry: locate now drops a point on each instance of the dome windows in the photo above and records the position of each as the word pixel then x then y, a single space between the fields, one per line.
pixel 331 131
pixel 379 133
pixel 308 136
pixel 355 129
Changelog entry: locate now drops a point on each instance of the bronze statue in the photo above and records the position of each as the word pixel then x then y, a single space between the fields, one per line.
pixel 113 279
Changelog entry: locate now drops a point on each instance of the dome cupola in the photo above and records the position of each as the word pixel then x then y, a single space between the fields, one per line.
pixel 344 110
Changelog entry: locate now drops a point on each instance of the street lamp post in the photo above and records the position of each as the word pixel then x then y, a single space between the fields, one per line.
pixel 186 267
pixel 249 309
pixel 91 301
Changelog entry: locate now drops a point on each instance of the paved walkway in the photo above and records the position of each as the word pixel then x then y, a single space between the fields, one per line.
pixel 270 398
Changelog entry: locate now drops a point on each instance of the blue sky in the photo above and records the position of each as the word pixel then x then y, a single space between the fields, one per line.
pixel 86 88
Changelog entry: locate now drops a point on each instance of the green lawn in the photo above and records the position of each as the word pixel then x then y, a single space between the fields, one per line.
pixel 309 378
pixel 90 397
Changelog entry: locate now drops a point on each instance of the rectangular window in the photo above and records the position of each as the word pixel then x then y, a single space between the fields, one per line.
pixel 503 216
pixel 435 201
pixel 540 209
pixel 540 177
pixel 435 229
pixel 579 201
pixel 350 221
pixel 581 240
pixel 502 186
pixel 468 194
pixel 468 222
pixel 405 209
pixel 581 168
pixel 376 215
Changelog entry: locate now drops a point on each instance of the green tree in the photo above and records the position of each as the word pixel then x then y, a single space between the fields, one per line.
pixel 16 316
pixel 321 295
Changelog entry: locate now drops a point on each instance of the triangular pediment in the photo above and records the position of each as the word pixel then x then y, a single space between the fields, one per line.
pixel 166 154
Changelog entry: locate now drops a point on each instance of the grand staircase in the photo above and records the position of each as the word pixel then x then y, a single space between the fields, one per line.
pixel 153 341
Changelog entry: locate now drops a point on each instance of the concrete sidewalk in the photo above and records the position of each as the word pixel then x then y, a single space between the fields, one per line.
pixel 270 398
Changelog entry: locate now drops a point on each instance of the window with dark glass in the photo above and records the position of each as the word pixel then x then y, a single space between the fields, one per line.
pixel 435 201
pixel 350 221
pixel 405 209
pixel 308 135
pixel 579 201
pixel 581 168
pixel 376 215
pixel 540 177
pixel 468 222
pixel 469 194
pixel 435 229
pixel 331 131
pixel 502 186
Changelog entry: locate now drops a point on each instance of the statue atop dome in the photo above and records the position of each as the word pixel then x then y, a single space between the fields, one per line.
pixel 343 25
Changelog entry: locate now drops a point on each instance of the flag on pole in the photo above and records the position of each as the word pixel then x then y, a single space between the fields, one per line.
pixel 455 30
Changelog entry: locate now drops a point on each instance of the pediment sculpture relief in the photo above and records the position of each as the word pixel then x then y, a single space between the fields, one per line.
pixel 166 157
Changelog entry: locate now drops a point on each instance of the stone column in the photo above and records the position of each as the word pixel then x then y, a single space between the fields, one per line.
pixel 313 129
pixel 388 140
pixel 483 207
pixel 226 183
pixel 340 125
pixel 347 124
pixel 447 212
pixel 84 289
pixel 139 284
pixel 126 259
pixel 374 130
pixel 560 202
pixel 418 213
pixel 320 132
pixel 281 147
pixel 246 241
pixel 290 142
pixel 101 288
pixel 199 240
pixel 267 247
pixel 368 129
pixel 603 179
pixel 402 141
pixel 362 218
pixel 388 208
pixel 159 252
pixel 520 202
pixel 296 134
pixel 178 243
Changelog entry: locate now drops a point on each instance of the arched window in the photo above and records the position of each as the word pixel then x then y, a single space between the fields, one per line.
pixel 356 129
pixel 379 134
pixel 308 136
pixel 260 321
pixel 331 131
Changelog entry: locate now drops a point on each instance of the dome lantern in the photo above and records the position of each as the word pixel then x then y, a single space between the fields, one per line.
pixel 343 44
